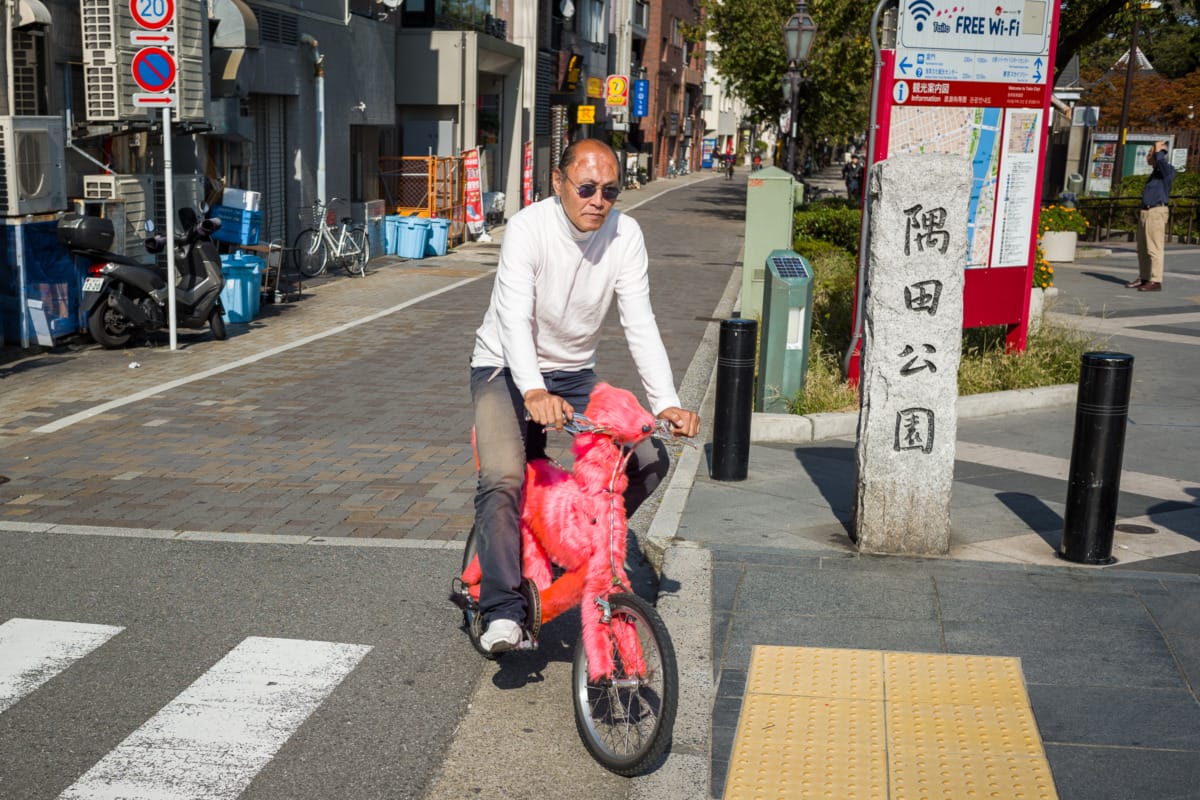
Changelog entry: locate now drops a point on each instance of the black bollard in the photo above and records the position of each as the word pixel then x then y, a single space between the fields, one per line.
pixel 735 400
pixel 1094 483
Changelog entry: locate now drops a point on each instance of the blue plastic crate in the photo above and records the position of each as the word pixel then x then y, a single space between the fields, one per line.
pixel 238 226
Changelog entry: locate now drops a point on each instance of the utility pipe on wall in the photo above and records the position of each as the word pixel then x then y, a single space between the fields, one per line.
pixel 319 77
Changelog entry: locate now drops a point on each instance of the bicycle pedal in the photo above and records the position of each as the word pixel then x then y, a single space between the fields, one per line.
pixel 527 643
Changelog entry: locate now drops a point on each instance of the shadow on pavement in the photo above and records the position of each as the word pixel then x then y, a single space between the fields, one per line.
pixel 1041 519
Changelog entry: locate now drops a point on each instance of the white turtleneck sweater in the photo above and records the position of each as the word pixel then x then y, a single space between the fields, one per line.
pixel 553 287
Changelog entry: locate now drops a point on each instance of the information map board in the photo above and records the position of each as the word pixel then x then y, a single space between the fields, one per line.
pixel 974 78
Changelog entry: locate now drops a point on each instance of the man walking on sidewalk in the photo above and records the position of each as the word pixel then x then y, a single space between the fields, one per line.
pixel 1152 221
pixel 563 261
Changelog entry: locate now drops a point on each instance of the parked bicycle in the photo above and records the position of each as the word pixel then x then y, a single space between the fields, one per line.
pixel 624 679
pixel 343 241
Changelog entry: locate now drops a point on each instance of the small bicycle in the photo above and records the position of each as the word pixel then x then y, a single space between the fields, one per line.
pixel 347 243
pixel 624 679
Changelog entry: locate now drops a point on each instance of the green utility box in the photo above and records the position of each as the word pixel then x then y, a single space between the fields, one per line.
pixel 771 197
pixel 786 325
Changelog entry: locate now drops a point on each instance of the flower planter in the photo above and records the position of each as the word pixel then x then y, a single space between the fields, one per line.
pixel 1059 245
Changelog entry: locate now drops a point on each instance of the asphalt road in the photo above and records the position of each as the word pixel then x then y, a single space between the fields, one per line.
pixel 182 606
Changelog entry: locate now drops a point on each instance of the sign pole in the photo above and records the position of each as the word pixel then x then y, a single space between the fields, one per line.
pixel 169 224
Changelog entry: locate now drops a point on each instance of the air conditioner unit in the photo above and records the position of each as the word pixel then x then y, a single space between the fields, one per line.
pixel 32 178
pixel 136 194
pixel 189 193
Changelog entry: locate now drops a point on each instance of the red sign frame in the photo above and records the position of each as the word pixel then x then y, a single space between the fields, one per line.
pixel 142 55
pixel 148 25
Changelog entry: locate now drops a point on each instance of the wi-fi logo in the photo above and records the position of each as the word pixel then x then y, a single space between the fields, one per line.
pixel 920 11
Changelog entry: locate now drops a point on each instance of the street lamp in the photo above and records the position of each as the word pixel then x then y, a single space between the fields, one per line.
pixel 798 34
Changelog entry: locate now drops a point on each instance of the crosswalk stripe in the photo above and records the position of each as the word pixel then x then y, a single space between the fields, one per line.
pixel 214 737
pixel 32 651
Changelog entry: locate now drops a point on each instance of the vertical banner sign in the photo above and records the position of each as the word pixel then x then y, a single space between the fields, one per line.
pixel 527 175
pixel 641 99
pixel 472 189
pixel 706 153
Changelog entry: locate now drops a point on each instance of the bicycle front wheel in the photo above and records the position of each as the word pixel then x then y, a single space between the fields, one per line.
pixel 625 721
pixel 360 251
pixel 311 253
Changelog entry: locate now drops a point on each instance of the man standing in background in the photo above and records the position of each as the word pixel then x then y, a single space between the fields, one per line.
pixel 1152 221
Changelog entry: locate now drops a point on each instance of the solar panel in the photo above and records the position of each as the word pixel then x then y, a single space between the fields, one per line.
pixel 789 267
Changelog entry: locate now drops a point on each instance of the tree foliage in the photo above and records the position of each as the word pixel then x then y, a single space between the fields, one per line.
pixel 1156 103
pixel 833 100
pixel 1099 32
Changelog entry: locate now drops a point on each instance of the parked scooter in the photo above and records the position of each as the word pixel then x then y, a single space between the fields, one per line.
pixel 122 296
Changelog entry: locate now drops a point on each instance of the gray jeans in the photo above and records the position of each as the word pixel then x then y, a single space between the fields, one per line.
pixel 504 441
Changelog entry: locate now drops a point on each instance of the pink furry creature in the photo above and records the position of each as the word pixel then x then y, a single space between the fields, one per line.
pixel 576 520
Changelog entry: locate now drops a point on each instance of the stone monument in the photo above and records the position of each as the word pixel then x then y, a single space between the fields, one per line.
pixel 912 339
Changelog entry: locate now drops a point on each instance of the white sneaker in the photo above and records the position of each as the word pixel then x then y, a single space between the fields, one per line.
pixel 501 635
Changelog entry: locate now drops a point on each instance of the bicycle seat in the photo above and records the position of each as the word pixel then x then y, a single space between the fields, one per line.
pixel 347 220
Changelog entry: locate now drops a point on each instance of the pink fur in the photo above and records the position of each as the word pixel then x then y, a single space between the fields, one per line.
pixel 566 519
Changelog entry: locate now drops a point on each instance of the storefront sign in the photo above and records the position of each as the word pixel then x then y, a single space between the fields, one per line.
pixel 574 67
pixel 595 87
pixel 641 98
pixel 706 153
pixel 527 175
pixel 585 115
pixel 617 91
pixel 472 190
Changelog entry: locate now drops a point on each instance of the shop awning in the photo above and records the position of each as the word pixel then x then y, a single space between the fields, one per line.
pixel 32 12
pixel 237 26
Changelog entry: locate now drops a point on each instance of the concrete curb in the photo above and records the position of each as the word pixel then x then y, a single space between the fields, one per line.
pixel 798 428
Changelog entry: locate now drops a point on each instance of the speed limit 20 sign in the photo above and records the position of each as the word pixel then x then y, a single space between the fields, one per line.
pixel 152 15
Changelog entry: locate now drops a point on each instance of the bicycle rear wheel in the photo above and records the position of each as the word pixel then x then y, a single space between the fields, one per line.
pixel 356 263
pixel 626 721
pixel 311 253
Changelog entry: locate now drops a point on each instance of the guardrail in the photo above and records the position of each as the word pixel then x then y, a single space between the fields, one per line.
pixel 1117 217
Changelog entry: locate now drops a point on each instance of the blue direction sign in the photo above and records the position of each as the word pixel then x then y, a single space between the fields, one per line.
pixel 153 69
pixel 641 99
pixel 152 14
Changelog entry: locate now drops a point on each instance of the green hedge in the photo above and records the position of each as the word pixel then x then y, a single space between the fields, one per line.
pixel 833 224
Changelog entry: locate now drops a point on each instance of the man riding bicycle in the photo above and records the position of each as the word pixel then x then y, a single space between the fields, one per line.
pixel 562 262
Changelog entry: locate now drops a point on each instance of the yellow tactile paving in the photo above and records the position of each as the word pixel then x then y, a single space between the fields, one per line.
pixel 849 724
pixel 806 747
pixel 815 672
pixel 967 777
pixel 945 678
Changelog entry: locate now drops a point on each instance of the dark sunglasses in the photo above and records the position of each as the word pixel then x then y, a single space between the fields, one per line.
pixel 586 190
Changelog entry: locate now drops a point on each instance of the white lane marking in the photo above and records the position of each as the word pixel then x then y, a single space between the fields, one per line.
pixel 7 526
pixel 58 425
pixel 1155 486
pixel 213 738
pixel 32 651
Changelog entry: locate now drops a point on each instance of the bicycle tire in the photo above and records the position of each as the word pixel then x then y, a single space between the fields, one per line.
pixel 626 728
pixel 311 253
pixel 472 618
pixel 356 264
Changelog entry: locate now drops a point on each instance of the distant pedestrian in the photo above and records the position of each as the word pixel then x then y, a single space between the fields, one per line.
pixel 852 174
pixel 729 166
pixel 1152 221
pixel 757 161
